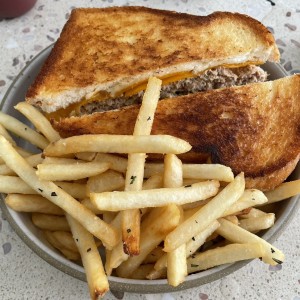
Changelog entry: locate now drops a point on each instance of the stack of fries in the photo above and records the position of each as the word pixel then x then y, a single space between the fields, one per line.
pixel 153 220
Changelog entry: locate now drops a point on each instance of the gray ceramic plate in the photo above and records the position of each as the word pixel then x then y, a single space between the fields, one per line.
pixel 32 237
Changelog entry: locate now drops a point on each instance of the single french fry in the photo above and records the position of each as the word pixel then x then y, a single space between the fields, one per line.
pixel 50 222
pixel 224 255
pixel 142 271
pixel 32 160
pixel 23 152
pixel 176 259
pixel 116 258
pixel 118 144
pixel 14 185
pixel 158 223
pixel 61 160
pixel 154 256
pixel 153 182
pixel 131 218
pixel 91 260
pixel 32 203
pixel 232 219
pixel 284 191
pixel 160 274
pixel 258 223
pixel 253 213
pixel 106 182
pixel 195 171
pixel 56 195
pixel 236 234
pixel 206 214
pixel 76 190
pixel 40 122
pixel 5 133
pixel 23 131
pixel 57 172
pixel 207 171
pixel 248 199
pixel 115 201
pixel 88 204
pixel 69 254
pixel 117 163
pixel 65 240
pixel 87 156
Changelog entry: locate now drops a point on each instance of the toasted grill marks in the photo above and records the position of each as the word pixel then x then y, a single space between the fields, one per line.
pixel 254 128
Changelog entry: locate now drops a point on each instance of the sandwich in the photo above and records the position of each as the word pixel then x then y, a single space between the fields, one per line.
pixel 214 93
pixel 104 57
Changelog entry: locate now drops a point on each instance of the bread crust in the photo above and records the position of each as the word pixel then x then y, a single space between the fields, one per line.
pixel 109 49
pixel 253 129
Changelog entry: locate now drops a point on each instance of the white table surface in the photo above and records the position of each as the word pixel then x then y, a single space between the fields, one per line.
pixel 23 275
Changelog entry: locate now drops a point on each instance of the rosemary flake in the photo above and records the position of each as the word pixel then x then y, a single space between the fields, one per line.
pixel 132 179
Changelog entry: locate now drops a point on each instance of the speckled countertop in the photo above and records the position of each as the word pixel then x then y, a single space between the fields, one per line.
pixel 23 275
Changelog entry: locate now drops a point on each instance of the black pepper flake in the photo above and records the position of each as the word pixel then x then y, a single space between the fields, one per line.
pixel 88 250
pixel 196 221
pixel 277 261
pixel 272 250
pixel 253 199
pixel 149 118
pixel 40 190
pixel 132 179
pixel 260 258
pixel 53 194
pixel 193 238
pixel 76 240
pixel 128 230
pixel 194 266
pixel 187 186
pixel 25 128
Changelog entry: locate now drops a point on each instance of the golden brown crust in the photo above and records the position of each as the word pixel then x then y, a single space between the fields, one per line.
pixel 101 46
pixel 253 128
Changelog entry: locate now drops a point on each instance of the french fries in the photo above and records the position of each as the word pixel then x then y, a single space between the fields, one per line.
pixel 135 166
pixel 118 144
pixel 224 255
pixel 56 195
pixel 195 171
pixel 105 182
pixel 258 223
pixel 156 216
pixel 39 121
pixel 23 131
pixel 116 201
pixel 176 259
pixel 50 222
pixel 206 214
pixel 153 231
pixel 59 172
pixel 284 191
pixel 236 234
pixel 90 257
pixel 32 203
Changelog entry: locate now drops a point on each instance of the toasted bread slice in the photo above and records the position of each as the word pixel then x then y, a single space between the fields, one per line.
pixel 104 52
pixel 253 128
